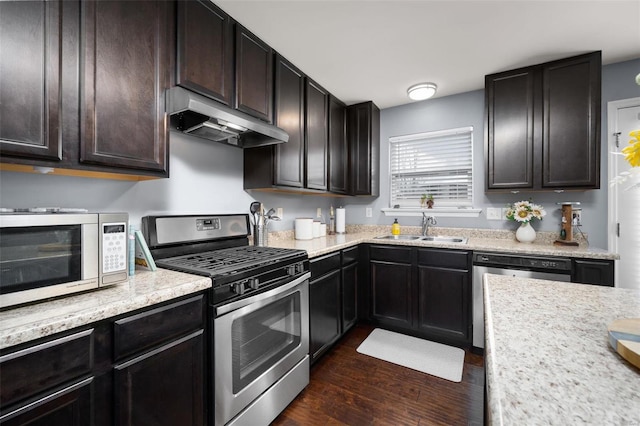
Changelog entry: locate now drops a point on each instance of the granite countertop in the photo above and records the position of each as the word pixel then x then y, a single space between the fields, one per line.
pixel 547 356
pixel 145 288
pixel 478 239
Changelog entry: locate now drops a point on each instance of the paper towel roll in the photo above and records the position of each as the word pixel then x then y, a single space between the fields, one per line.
pixel 303 228
pixel 340 213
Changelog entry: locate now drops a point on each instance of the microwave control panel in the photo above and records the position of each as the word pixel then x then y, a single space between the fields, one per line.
pixel 114 247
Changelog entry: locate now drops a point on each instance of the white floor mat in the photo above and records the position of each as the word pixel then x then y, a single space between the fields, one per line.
pixel 432 358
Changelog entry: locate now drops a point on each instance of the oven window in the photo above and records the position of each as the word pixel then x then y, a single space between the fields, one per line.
pixel 34 257
pixel 261 338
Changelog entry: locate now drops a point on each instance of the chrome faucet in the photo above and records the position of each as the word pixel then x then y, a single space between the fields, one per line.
pixel 426 221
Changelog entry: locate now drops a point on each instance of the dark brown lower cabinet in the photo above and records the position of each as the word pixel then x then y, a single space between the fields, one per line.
pixel 143 368
pixel 422 291
pixel 349 296
pixel 590 271
pixel 391 291
pixel 71 406
pixel 444 302
pixel 324 304
pixel 333 298
pixel 164 386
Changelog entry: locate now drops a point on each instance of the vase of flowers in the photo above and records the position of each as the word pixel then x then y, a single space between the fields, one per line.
pixel 524 212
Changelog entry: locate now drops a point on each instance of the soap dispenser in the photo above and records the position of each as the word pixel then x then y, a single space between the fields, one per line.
pixel 395 228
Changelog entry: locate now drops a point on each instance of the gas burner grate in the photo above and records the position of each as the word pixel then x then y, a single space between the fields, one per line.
pixel 224 261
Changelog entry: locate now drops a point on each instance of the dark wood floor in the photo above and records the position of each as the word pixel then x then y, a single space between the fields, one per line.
pixel 348 388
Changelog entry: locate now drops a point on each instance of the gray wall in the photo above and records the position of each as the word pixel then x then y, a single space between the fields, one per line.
pixel 207 177
pixel 467 109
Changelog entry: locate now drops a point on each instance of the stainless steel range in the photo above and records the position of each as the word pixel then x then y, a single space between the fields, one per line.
pixel 259 305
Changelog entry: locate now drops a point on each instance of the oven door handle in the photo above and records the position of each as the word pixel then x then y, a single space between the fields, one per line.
pixel 225 309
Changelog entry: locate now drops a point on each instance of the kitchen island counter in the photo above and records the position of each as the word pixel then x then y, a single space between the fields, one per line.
pixel 548 358
pixel 144 289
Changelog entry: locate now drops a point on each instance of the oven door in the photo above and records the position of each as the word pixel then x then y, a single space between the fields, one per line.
pixel 257 341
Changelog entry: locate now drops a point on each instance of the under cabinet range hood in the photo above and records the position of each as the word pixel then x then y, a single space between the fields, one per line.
pixel 205 118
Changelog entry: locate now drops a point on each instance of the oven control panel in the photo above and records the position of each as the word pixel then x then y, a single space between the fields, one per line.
pixel 208 224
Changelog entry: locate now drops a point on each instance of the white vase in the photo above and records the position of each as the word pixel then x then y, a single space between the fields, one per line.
pixel 525 233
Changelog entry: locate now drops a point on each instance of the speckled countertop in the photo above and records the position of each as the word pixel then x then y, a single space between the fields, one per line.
pixel 478 239
pixel 144 289
pixel 547 355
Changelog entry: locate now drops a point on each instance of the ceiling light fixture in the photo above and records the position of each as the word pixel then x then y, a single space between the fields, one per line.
pixel 421 91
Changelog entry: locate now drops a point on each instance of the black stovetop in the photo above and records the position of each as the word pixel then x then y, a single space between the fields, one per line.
pixel 235 262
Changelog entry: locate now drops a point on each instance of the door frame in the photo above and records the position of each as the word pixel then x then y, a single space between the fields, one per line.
pixel 613 193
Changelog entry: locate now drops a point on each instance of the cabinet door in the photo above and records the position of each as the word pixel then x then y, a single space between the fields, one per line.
pixel 127 62
pixel 363 132
pixel 71 406
pixel 324 313
pixel 289 116
pixel 30 79
pixel 589 271
pixel 338 152
pixel 205 50
pixel 254 75
pixel 571 122
pixel 509 99
pixel 391 293
pixel 349 296
pixel 444 303
pixel 317 138
pixel 164 386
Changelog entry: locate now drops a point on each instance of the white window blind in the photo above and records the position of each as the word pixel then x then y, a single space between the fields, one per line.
pixel 434 163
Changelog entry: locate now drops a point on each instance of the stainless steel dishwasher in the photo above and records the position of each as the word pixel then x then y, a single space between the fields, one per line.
pixel 544 268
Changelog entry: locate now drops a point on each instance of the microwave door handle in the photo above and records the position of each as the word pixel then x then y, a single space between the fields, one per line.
pixel 224 309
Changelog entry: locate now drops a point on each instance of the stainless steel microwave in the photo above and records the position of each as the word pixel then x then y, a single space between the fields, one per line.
pixel 54 254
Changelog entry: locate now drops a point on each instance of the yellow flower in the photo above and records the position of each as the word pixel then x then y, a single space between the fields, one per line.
pixel 632 152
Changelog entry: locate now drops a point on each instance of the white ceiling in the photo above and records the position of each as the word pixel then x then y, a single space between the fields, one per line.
pixel 364 50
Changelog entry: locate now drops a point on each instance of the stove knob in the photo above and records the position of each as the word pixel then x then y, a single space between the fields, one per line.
pixel 238 288
pixel 254 283
pixel 291 270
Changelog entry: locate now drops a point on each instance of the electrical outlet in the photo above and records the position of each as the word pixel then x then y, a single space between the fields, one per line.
pixel 576 217
pixel 368 212
pixel 319 212
pixel 280 213
pixel 493 213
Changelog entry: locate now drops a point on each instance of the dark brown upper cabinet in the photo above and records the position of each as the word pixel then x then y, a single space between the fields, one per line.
pixel 338 149
pixel 542 127
pixel 316 135
pixel 254 75
pixel 281 165
pixel 289 116
pixel 128 58
pixel 363 130
pixel 205 50
pixel 30 79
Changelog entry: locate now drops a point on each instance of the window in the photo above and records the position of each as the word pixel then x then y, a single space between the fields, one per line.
pixel 434 163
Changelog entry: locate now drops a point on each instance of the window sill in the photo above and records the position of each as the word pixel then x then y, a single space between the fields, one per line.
pixel 436 212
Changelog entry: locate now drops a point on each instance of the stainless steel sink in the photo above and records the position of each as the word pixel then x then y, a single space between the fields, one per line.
pixel 445 239
pixel 437 239
pixel 399 237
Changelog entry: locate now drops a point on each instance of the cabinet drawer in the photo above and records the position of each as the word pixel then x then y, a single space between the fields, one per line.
pixel 321 265
pixel 30 371
pixel 444 258
pixel 390 254
pixel 349 255
pixel 151 328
